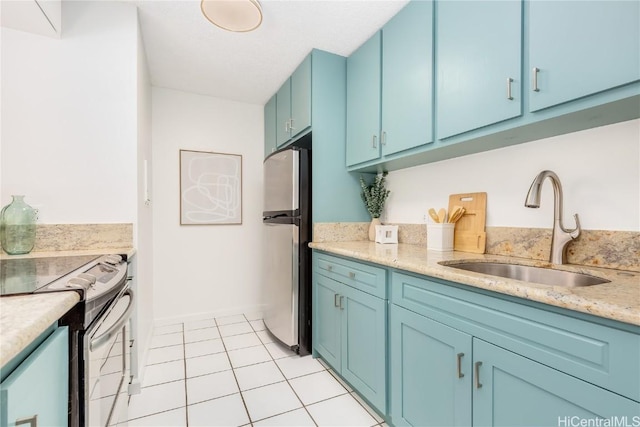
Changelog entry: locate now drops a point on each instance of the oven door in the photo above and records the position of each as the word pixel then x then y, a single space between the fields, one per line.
pixel 106 361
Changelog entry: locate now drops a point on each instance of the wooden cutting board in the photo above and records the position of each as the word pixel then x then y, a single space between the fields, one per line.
pixel 470 235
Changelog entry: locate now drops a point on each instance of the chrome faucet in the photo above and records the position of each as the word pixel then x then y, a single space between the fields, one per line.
pixel 560 236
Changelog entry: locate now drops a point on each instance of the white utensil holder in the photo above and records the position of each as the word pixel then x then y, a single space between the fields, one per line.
pixel 440 236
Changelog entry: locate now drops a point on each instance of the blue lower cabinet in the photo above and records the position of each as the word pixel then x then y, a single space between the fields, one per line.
pixel 430 371
pixel 37 392
pixel 350 334
pixel 511 390
pixel 326 313
pixel 364 343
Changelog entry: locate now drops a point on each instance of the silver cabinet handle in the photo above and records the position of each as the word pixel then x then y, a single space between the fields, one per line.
pixel 330 268
pixel 32 421
pixel 341 299
pixel 383 138
pixel 291 125
pixel 476 374
pixel 286 126
pixel 535 79
pixel 352 275
pixel 336 300
pixel 509 96
pixel 374 142
pixel 459 356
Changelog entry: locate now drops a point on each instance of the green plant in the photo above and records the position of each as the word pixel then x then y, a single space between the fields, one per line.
pixel 374 195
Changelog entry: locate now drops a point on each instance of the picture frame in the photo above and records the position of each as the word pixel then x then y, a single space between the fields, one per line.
pixel 210 188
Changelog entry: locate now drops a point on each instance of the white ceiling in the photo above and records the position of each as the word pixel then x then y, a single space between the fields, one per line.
pixel 186 52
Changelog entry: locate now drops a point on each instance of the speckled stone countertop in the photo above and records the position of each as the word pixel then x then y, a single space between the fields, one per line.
pixel 618 300
pixel 24 317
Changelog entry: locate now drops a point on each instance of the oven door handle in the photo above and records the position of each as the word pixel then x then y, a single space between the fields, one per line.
pixel 106 336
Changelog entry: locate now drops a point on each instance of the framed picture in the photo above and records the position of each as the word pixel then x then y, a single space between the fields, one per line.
pixel 210 188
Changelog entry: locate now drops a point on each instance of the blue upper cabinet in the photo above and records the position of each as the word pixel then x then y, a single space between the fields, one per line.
pixel 301 98
pixel 479 51
pixel 293 104
pixel 283 113
pixel 581 48
pixel 389 87
pixel 270 126
pixel 407 79
pixel 363 102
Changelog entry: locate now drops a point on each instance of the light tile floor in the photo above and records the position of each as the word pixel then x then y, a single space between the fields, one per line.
pixel 228 371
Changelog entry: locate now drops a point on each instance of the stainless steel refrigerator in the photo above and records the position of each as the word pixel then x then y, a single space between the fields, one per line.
pixel 286 254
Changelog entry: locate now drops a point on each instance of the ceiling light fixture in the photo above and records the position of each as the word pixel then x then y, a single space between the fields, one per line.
pixel 233 15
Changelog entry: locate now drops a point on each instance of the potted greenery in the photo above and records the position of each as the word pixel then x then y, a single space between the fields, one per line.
pixel 374 196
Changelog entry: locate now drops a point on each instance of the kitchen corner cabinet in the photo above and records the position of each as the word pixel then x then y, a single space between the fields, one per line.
pixel 350 319
pixel 465 358
pixel 389 87
pixel 270 126
pixel 581 48
pixel 293 104
pixel 37 391
pixel 479 64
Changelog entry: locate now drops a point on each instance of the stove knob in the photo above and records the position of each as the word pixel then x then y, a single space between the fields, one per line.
pixel 113 259
pixel 90 277
pixel 78 282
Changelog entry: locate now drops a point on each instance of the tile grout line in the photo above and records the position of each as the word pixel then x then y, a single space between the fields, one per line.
pixel 184 365
pixel 233 372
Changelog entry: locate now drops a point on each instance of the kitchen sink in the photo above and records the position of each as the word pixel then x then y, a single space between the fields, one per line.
pixel 527 273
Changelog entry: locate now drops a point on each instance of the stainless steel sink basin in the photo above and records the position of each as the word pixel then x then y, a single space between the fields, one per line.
pixel 527 273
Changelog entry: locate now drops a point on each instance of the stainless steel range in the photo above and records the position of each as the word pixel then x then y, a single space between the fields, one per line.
pixel 98 326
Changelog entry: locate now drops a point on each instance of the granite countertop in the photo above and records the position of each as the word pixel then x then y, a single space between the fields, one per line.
pixel 618 300
pixel 24 317
pixel 129 252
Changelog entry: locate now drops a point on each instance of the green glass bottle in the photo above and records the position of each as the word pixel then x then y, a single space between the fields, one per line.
pixel 18 225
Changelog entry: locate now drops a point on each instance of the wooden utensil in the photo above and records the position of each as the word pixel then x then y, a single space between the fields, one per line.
pixel 442 215
pixel 434 215
pixel 470 233
pixel 456 214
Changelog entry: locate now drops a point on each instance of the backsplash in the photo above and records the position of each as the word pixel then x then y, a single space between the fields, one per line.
pixel 598 248
pixel 74 237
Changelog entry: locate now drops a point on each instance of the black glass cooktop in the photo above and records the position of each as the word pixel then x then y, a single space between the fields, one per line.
pixel 25 275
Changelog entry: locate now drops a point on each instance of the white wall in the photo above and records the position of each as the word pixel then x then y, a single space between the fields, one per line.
pixel 599 170
pixel 209 268
pixel 144 226
pixel 69 116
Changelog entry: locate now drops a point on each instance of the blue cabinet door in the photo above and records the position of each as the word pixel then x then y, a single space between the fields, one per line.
pixel 301 98
pixel 479 51
pixel 283 113
pixel 581 48
pixel 407 79
pixel 39 386
pixel 430 372
pixel 364 340
pixel 326 319
pixel 363 102
pixel 270 126
pixel 511 390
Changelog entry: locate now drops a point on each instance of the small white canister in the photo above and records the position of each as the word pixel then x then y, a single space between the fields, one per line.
pixel 440 236
pixel 386 234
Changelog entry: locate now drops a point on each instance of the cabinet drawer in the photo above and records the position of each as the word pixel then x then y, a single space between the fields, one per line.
pixel 602 355
pixel 39 385
pixel 366 278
